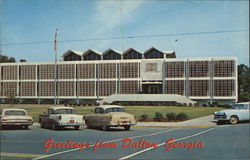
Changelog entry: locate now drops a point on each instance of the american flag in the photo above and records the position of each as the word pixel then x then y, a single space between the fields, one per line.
pixel 55 47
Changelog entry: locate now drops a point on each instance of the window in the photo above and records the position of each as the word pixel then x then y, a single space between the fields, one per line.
pixel 65 111
pixel 224 87
pixel 198 88
pixel 15 112
pixel 224 68
pixel 129 87
pixel 174 69
pixel 86 71
pixel 107 70
pixel 129 70
pixel 107 88
pixel 99 110
pixel 114 110
pixel 238 106
pixel 46 71
pixel 174 87
pixel 198 69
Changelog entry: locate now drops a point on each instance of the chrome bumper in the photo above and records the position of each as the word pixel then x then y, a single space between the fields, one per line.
pixel 16 123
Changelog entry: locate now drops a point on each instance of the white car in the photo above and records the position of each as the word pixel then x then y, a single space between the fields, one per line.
pixel 15 117
pixel 237 112
pixel 57 117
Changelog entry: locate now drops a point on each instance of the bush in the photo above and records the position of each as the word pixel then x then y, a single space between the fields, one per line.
pixel 158 116
pixel 144 116
pixel 181 116
pixel 171 116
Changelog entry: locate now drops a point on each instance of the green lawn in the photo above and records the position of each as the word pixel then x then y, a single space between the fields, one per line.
pixel 192 112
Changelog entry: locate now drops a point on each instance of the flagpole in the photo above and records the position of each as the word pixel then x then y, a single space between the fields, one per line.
pixel 55 68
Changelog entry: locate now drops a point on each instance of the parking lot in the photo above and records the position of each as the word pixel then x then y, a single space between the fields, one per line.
pixel 219 142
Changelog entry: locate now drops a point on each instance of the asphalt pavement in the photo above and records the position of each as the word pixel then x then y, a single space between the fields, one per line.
pixel 217 142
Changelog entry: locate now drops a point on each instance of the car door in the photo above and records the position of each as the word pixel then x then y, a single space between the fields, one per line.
pixel 93 118
pixel 101 120
pixel 245 112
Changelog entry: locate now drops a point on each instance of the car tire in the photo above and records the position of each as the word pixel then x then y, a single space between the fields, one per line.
pixel 233 120
pixel 77 127
pixel 105 128
pixel 126 128
pixel 87 125
pixel 42 125
pixel 54 126
pixel 26 127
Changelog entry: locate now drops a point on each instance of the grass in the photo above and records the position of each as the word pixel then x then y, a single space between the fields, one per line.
pixel 192 112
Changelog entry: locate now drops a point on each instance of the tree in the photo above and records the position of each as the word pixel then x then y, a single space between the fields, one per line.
pixel 6 59
pixel 10 96
pixel 243 83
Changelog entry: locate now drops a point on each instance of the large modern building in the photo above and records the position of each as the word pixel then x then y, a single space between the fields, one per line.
pixel 93 75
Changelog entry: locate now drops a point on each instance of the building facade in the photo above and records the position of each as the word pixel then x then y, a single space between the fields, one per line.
pixel 93 76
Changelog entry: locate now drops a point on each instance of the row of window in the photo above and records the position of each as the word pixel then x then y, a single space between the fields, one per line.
pixel 109 70
pixel 106 88
pixel 113 55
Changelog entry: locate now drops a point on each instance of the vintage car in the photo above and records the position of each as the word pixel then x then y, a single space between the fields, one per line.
pixel 237 112
pixel 15 117
pixel 107 116
pixel 58 117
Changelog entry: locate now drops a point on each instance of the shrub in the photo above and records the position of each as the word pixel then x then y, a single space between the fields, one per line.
pixel 144 116
pixel 181 116
pixel 171 116
pixel 158 116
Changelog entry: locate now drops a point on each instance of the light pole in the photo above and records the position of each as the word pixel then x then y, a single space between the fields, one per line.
pixel 55 69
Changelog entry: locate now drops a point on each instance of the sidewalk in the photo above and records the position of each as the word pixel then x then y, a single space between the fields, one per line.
pixel 206 121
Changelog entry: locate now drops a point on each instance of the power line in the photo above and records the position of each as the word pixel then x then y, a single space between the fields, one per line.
pixel 126 37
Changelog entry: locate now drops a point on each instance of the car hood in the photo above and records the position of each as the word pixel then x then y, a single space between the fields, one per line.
pixel 226 111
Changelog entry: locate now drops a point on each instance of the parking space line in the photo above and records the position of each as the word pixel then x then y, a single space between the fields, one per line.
pixel 21 155
pixel 8 141
pixel 144 150
pixel 71 150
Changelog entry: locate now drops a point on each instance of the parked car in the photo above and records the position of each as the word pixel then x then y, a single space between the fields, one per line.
pixel 107 116
pixel 237 112
pixel 15 117
pixel 57 117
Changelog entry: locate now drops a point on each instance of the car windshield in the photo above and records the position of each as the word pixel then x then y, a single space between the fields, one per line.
pixel 114 110
pixel 237 106
pixel 15 113
pixel 65 111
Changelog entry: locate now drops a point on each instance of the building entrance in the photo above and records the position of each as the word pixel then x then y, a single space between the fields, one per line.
pixel 151 88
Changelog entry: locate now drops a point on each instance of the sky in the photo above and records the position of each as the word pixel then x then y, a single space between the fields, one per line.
pixel 190 28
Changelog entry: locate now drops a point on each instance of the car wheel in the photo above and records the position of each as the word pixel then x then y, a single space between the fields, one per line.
pixel 26 127
pixel 54 126
pixel 105 128
pixel 42 125
pixel 126 128
pixel 88 126
pixel 77 127
pixel 233 120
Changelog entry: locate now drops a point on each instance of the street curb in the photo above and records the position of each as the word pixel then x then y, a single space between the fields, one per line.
pixel 198 126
